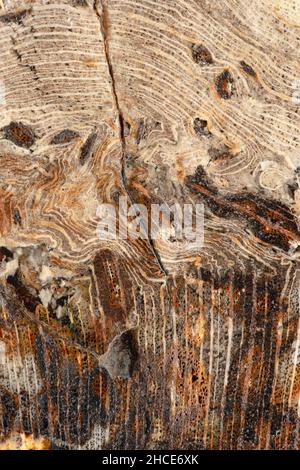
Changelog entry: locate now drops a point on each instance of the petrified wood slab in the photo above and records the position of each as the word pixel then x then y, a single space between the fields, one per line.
pixel 130 344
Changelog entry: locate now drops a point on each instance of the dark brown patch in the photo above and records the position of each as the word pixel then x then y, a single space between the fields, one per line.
pixel 141 132
pixel 64 137
pixel 224 85
pixel 219 155
pixel 17 217
pixel 127 128
pixel 291 188
pixel 201 55
pixel 248 69
pixel 80 3
pixel 20 134
pixel 23 292
pixel 200 178
pixel 5 253
pixel 8 407
pixel 269 220
pixel 14 17
pixel 200 127
pixel 87 147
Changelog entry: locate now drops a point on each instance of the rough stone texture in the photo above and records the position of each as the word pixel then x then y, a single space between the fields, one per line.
pixel 139 344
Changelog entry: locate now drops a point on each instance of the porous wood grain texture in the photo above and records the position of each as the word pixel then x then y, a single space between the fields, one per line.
pixel 131 344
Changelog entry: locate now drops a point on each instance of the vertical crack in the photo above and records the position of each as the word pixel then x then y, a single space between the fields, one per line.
pixel 101 10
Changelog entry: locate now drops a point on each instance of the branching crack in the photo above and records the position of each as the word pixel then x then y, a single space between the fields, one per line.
pixel 101 10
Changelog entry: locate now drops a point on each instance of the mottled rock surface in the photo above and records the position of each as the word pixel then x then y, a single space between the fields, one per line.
pixel 129 344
